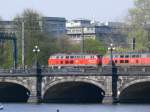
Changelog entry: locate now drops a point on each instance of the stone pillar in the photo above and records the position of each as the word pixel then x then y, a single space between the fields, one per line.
pixel 33 90
pixel 108 92
pixel 33 97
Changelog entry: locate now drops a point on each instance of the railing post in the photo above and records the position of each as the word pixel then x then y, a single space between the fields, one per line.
pixel 114 74
pixel 38 83
pixel 114 83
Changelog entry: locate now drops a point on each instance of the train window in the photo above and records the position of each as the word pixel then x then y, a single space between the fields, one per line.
pixel 116 56
pixel 61 57
pixel 121 61
pixel 126 61
pixel 52 57
pixel 57 57
pixel 133 56
pixel 92 56
pixel 126 56
pixel 71 56
pixel 99 56
pixel 137 56
pixel 121 56
pixel 67 56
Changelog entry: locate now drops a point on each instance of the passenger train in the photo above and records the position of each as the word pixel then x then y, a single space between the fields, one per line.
pixel 95 60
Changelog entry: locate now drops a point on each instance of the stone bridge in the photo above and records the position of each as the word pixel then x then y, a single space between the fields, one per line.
pixel 75 85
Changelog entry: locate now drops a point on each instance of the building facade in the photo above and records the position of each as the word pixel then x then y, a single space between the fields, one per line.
pixel 107 32
pixel 7 27
pixel 83 29
pixel 54 26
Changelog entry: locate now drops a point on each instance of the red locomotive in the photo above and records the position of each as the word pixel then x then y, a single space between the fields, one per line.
pixel 128 58
pixel 93 60
pixel 74 60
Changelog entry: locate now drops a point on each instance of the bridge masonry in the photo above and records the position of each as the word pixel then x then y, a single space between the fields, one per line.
pixel 101 79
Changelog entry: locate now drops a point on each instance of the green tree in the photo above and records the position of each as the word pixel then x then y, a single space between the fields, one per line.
pixel 90 46
pixel 6 58
pixel 33 36
pixel 94 45
pixel 139 19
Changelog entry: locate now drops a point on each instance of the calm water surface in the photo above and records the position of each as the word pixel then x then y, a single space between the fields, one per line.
pixel 75 108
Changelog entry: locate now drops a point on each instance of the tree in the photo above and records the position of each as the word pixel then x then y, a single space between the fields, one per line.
pixel 90 46
pixel 139 19
pixel 6 57
pixel 94 45
pixel 33 36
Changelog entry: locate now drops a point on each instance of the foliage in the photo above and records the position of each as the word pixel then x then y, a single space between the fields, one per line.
pixel 6 57
pixel 33 36
pixel 139 19
pixel 94 45
pixel 90 46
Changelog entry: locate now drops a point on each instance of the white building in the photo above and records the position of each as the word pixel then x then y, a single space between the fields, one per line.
pixel 83 28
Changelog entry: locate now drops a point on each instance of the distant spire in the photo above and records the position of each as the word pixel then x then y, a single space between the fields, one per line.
pixel 93 20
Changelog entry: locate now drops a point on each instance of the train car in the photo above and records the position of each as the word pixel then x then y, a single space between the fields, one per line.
pixel 128 58
pixel 74 60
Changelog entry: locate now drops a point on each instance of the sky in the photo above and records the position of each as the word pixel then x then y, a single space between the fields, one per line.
pixel 101 10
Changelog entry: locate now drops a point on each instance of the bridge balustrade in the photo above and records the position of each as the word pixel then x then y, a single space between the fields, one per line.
pixel 105 70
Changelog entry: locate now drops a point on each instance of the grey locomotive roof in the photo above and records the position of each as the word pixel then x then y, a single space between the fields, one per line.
pixel 63 54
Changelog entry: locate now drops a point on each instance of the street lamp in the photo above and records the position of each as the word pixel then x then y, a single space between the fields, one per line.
pixel 111 49
pixel 36 50
pixel 114 74
pixel 82 41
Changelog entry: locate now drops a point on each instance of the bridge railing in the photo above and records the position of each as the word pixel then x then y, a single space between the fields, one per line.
pixel 105 70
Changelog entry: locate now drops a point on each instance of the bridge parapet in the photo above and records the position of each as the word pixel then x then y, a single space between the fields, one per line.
pixel 102 71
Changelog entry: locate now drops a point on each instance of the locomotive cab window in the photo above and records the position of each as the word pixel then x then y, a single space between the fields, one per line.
pixel 116 56
pixel 126 56
pixel 71 56
pixel 92 56
pixel 121 56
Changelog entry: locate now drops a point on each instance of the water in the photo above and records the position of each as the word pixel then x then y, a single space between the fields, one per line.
pixel 75 108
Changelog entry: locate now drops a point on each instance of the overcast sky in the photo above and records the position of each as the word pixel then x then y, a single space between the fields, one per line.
pixel 102 10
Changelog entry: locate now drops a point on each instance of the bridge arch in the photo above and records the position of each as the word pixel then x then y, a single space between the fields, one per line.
pixel 10 91
pixel 20 81
pixel 136 91
pixel 82 82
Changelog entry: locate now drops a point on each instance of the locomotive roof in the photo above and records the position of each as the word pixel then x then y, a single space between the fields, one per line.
pixel 79 54
pixel 131 52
